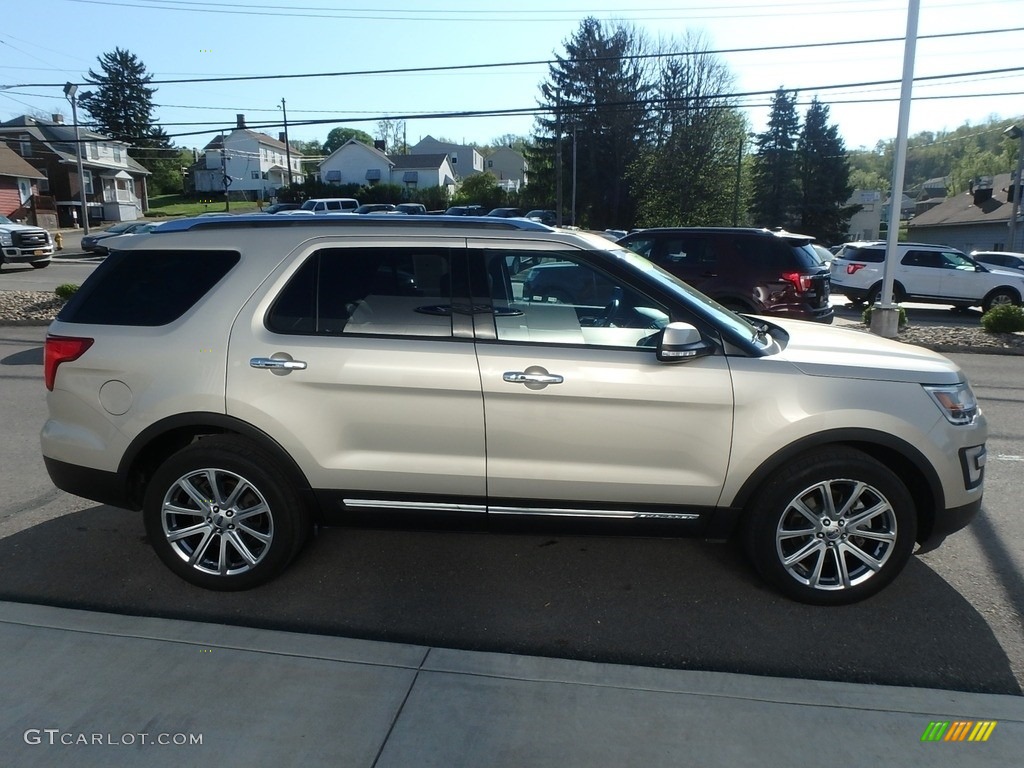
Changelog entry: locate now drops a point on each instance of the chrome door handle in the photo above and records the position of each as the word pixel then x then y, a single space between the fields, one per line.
pixel 521 377
pixel 274 364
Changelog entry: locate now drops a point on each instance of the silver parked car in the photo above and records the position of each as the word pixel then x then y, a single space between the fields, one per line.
pixel 238 379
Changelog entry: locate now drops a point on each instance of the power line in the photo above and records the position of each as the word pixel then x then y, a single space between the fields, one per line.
pixel 536 62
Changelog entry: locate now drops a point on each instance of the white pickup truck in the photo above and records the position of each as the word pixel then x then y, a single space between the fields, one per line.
pixel 22 244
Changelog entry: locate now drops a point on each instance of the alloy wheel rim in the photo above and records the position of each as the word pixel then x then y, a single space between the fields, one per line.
pixel 836 534
pixel 217 521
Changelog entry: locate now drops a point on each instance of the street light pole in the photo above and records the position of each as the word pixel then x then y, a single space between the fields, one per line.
pixel 1015 132
pixel 70 89
pixel 287 146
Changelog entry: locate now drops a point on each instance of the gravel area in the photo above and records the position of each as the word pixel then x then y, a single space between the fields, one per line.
pixel 39 307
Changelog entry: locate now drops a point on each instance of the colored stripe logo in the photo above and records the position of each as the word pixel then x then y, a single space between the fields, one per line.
pixel 958 730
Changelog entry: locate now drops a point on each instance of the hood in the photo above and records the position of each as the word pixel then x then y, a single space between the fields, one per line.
pixel 825 350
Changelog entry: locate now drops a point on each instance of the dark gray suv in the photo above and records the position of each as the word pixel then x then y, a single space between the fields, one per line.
pixel 759 271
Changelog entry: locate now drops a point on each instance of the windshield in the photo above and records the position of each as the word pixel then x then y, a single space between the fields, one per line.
pixel 5 220
pixel 309 205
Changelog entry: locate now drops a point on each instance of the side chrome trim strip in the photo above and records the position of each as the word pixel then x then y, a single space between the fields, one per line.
pixel 425 506
pixel 618 514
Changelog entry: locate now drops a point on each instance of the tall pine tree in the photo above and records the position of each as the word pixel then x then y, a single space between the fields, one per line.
pixel 776 187
pixel 598 89
pixel 824 176
pixel 122 107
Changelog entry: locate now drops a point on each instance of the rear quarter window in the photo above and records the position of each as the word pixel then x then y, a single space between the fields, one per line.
pixel 146 288
pixel 871 255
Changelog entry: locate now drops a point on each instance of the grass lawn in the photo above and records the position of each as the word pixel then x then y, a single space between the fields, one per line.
pixel 179 205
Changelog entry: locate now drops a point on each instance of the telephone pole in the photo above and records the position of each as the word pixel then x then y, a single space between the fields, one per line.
pixel 287 146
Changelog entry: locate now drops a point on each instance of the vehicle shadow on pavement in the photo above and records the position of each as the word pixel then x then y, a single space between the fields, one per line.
pixel 653 602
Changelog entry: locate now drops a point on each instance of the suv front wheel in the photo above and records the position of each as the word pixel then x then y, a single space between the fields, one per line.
pixel 833 528
pixel 999 297
pixel 221 516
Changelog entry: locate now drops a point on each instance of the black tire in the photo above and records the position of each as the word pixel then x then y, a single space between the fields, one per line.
pixel 898 294
pixel 40 264
pixel 223 553
pixel 1000 296
pixel 804 536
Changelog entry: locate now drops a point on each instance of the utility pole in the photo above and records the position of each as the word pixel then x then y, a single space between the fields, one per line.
pixel 558 157
pixel 224 172
pixel 287 146
pixel 70 89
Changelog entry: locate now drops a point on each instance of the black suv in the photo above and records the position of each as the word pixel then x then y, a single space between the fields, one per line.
pixel 760 271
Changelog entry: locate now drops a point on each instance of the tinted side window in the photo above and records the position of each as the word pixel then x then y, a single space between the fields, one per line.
pixel 389 291
pixel 871 255
pixel 146 288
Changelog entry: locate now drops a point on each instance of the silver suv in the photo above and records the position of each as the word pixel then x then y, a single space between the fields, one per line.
pixel 241 379
pixel 926 273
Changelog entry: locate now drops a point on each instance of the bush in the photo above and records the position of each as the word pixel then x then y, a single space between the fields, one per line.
pixel 66 290
pixel 1006 318
pixel 901 323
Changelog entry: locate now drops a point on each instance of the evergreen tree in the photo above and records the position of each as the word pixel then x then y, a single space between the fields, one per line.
pixel 824 177
pixel 122 107
pixel 776 185
pixel 596 91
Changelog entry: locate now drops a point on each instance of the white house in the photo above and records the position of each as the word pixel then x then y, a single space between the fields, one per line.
pixel 357 163
pixel 465 160
pixel 256 164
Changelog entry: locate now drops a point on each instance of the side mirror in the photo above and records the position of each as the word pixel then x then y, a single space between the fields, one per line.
pixel 681 342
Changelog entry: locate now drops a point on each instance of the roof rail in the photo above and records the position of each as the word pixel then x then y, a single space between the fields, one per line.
pixel 362 221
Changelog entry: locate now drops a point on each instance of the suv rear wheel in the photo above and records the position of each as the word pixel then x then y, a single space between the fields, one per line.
pixel 221 516
pixel 835 527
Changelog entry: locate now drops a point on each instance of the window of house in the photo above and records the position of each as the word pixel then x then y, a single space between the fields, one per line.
pixel 43 184
pixel 117 154
pixel 93 150
pixel 25 146
pixel 87 181
pixel 490 163
pixel 255 174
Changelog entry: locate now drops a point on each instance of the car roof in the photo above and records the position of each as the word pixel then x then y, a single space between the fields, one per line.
pixel 379 221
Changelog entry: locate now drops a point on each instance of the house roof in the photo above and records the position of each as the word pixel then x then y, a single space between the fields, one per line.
pixel 60 139
pixel 13 164
pixel 960 210
pixel 356 143
pixel 262 138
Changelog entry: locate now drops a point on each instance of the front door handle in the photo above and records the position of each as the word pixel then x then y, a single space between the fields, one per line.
pixel 277 364
pixel 532 377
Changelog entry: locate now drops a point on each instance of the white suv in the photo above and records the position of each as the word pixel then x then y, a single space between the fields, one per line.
pixel 240 379
pixel 926 273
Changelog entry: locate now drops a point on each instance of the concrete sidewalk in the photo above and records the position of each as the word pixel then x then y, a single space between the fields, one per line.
pixel 93 689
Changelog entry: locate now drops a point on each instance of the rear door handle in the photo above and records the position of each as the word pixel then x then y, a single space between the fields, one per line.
pixel 276 364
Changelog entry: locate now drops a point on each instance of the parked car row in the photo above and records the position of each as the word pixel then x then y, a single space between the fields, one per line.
pixel 96 242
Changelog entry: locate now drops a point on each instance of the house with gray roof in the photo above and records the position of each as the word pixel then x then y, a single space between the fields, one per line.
pixel 357 163
pixel 975 220
pixel 254 164
pixel 465 159
pixel 114 183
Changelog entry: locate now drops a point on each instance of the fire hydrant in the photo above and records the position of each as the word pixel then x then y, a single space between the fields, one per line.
pixel 58 240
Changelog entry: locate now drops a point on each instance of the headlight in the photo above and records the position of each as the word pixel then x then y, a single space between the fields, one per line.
pixel 6 238
pixel 956 401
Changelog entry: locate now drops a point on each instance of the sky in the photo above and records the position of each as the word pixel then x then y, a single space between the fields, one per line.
pixel 968 64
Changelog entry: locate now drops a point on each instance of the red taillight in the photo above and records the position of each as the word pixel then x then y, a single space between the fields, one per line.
pixel 802 283
pixel 852 269
pixel 61 349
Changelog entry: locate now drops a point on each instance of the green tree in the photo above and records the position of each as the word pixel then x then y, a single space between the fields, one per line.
pixel 776 183
pixel 824 177
pixel 122 107
pixel 595 93
pixel 480 189
pixel 339 136
pixel 696 143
